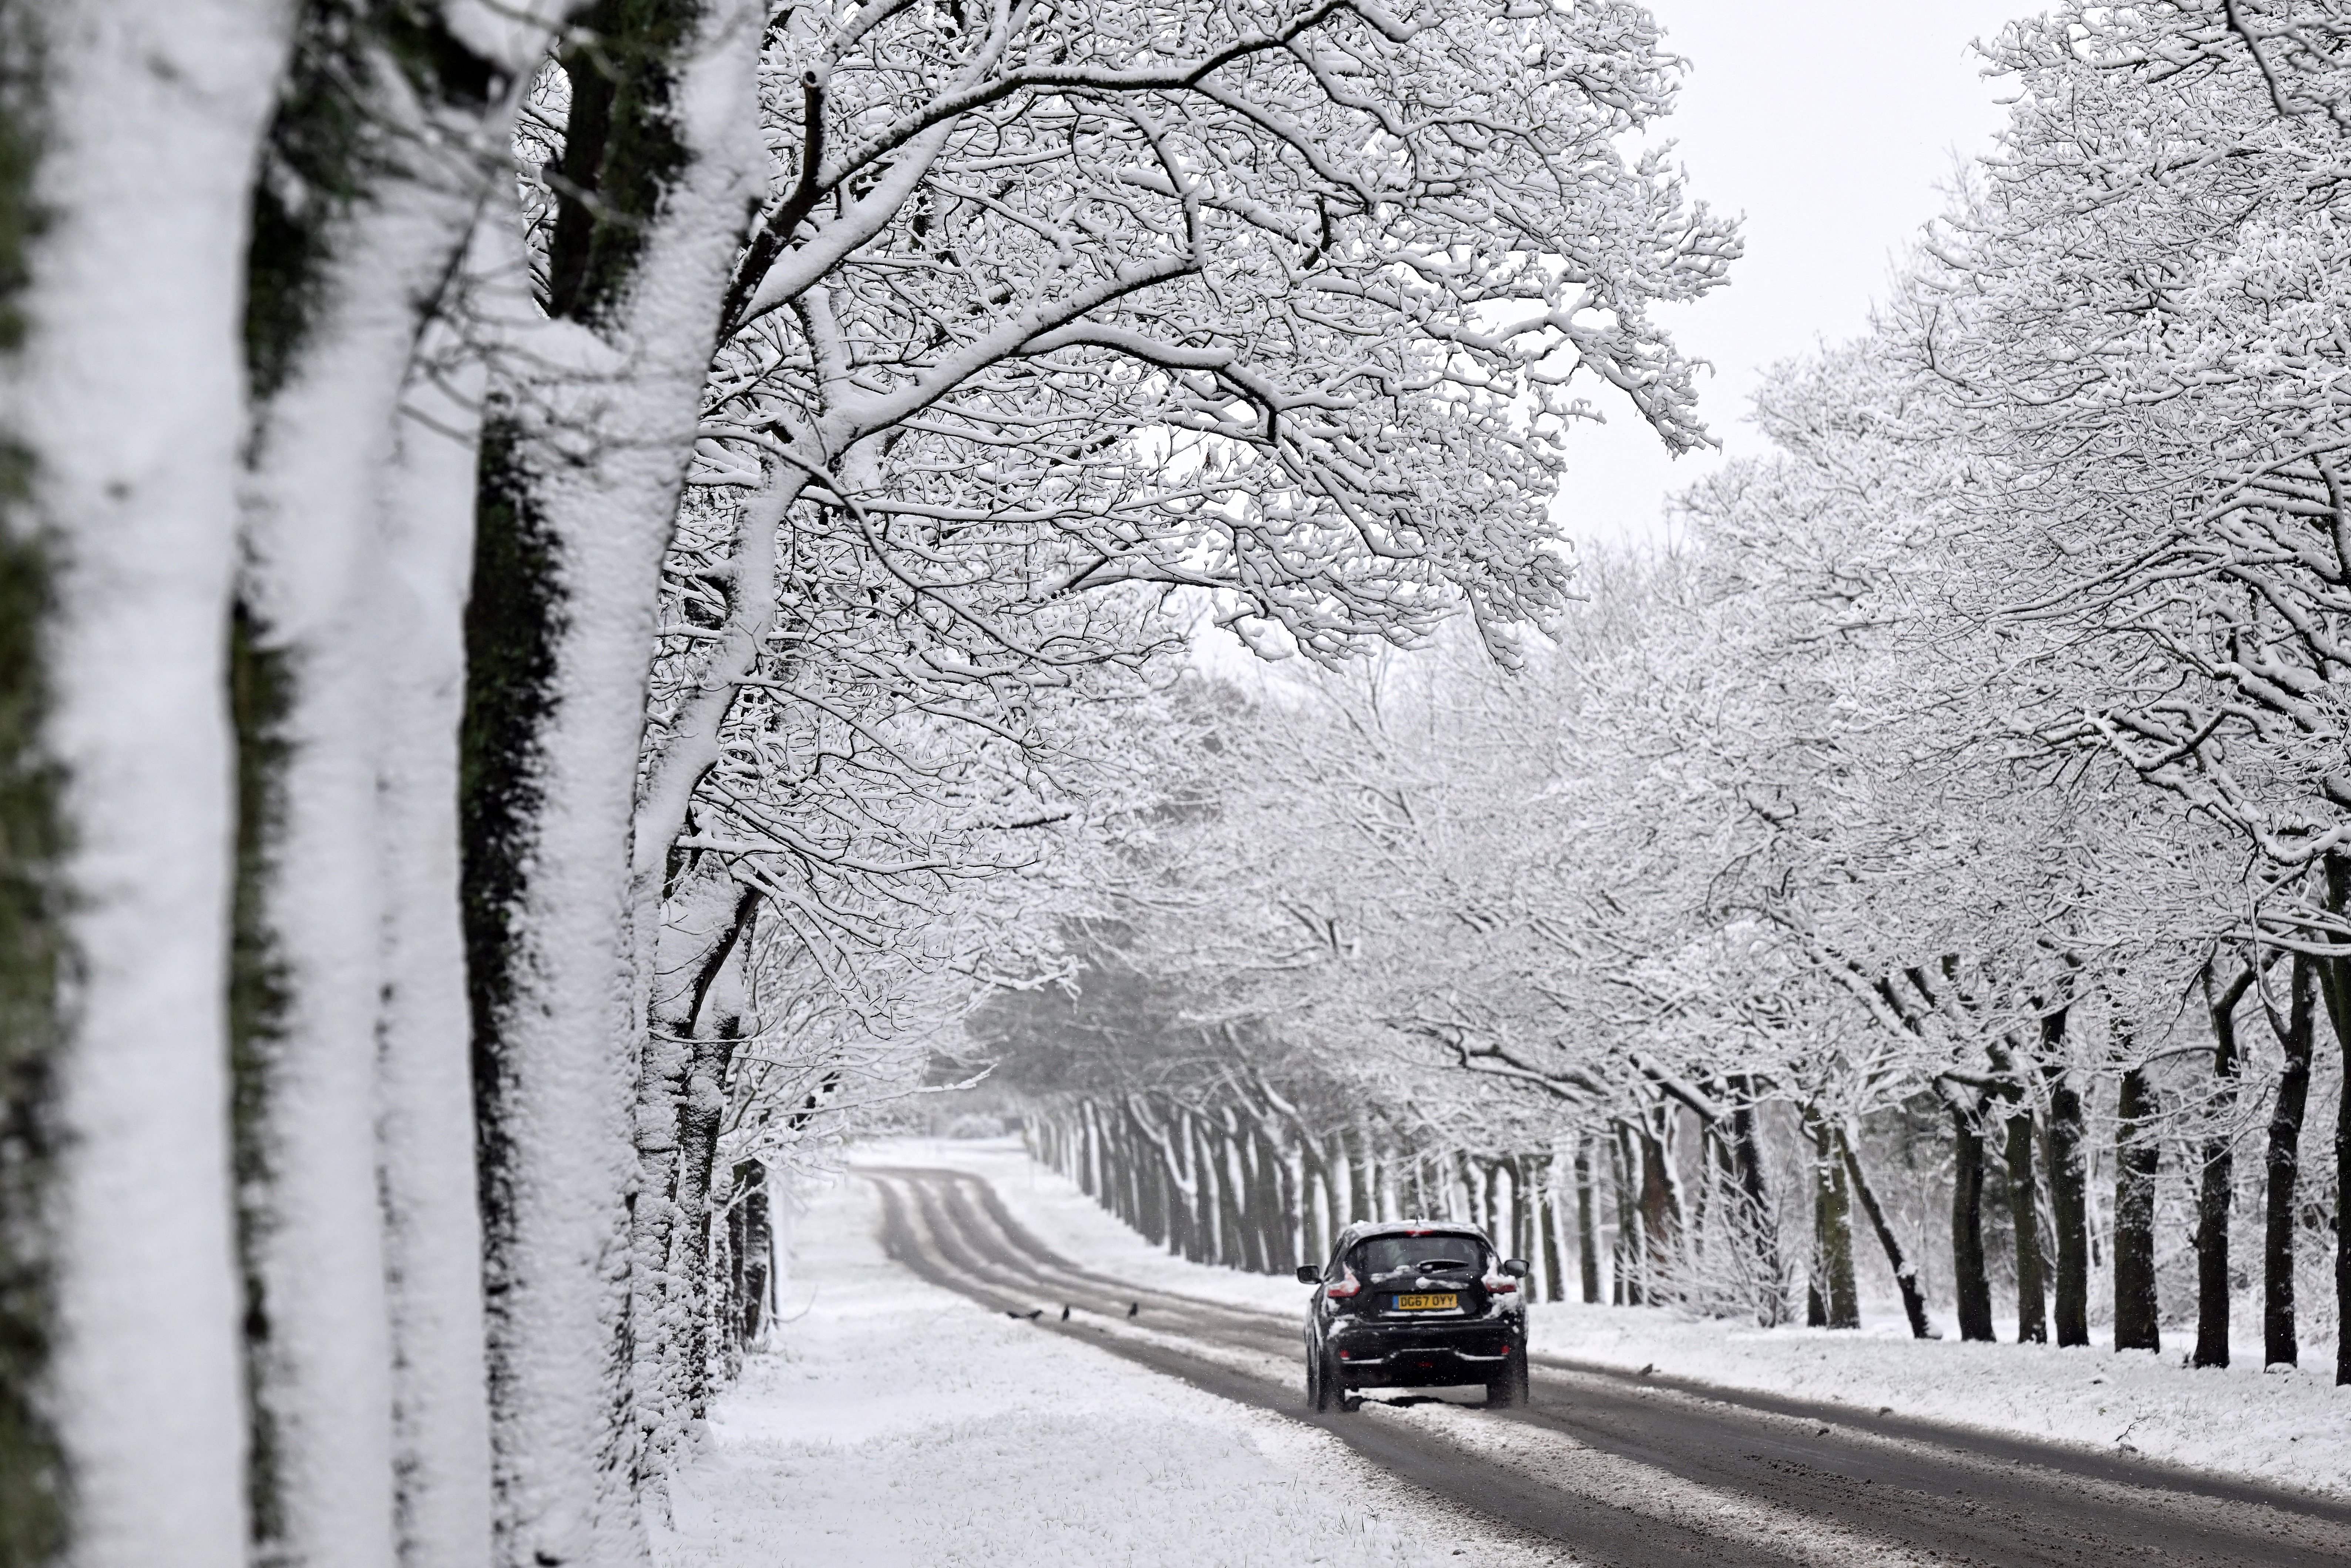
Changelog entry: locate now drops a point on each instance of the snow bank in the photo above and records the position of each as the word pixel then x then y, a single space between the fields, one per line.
pixel 2288 1428
pixel 900 1425
pixel 2284 1429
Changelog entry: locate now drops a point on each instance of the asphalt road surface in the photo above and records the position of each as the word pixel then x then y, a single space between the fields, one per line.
pixel 1619 1472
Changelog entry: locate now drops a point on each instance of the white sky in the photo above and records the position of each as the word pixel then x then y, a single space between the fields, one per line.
pixel 1830 125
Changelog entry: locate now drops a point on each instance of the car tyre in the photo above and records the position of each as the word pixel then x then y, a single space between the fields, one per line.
pixel 1335 1394
pixel 1510 1390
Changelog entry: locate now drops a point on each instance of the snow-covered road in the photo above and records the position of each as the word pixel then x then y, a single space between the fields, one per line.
pixel 898 1425
pixel 1606 1468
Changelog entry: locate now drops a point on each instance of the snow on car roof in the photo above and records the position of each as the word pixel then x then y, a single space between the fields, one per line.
pixel 1363 1228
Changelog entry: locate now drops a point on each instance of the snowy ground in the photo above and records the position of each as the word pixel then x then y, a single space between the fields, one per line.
pixel 899 1424
pixel 2287 1428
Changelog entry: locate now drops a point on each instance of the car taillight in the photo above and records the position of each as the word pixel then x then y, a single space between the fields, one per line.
pixel 1345 1287
pixel 1498 1286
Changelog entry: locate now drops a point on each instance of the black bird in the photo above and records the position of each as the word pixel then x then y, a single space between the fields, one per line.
pixel 1133 1308
pixel 1065 1312
pixel 1032 1317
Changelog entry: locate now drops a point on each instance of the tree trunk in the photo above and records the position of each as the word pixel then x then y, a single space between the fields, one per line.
pixel 1232 1221
pixel 2336 978
pixel 1207 1244
pixel 701 1113
pixel 1587 1239
pixel 2280 1345
pixel 1624 1168
pixel 1905 1273
pixel 2136 1157
pixel 752 1249
pixel 1972 1288
pixel 129 131
pixel 582 466
pixel 2025 1216
pixel 1758 1221
pixel 1839 1298
pixel 339 286
pixel 1660 1212
pixel 2217 1181
pixel 678 1112
pixel 1545 1236
pixel 1312 1182
pixel 2069 1203
pixel 1359 1192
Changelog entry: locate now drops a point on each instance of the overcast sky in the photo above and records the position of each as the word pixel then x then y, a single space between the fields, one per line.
pixel 1830 125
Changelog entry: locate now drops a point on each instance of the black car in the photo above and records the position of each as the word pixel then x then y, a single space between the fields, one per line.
pixel 1416 1303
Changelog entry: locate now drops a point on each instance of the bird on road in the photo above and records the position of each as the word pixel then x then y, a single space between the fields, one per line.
pixel 1032 1317
pixel 1065 1312
pixel 1133 1308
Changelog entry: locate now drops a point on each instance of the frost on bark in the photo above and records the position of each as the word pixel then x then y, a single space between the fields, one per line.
pixel 594 420
pixel 122 420
pixel 432 1218
pixel 390 121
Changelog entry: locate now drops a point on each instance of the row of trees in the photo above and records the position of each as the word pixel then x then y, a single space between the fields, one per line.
pixel 1958 807
pixel 579 577
pixel 1243 1179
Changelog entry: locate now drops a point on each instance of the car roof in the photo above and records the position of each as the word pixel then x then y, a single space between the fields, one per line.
pixel 1364 1229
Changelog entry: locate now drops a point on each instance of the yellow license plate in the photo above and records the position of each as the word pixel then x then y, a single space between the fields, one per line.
pixel 1426 1303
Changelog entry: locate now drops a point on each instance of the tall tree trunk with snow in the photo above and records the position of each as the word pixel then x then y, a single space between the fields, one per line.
pixel 692 946
pixel 1758 1219
pixel 388 121
pixel 2069 1196
pixel 680 1101
pixel 593 419
pixel 2024 1219
pixel 432 1239
pixel 719 1028
pixel 1969 1282
pixel 129 131
pixel 2334 978
pixel 1359 1187
pixel 1906 1272
pixel 1660 1204
pixel 1832 1272
pixel 1587 1240
pixel 2280 1342
pixel 1543 1226
pixel 2217 1179
pixel 2136 1159
pixel 1624 1169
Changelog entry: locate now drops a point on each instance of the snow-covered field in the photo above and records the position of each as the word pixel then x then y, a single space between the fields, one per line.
pixel 898 1425
pixel 2287 1428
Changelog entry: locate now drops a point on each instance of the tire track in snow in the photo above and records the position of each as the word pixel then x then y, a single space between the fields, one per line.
pixel 922 1230
pixel 1633 1475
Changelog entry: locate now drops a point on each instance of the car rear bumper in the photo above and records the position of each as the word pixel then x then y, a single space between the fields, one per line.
pixel 1423 1356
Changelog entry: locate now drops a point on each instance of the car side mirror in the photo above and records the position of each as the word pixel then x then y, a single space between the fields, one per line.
pixel 1516 1268
pixel 1307 1274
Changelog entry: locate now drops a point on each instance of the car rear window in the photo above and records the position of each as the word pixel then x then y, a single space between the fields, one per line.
pixel 1382 1255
